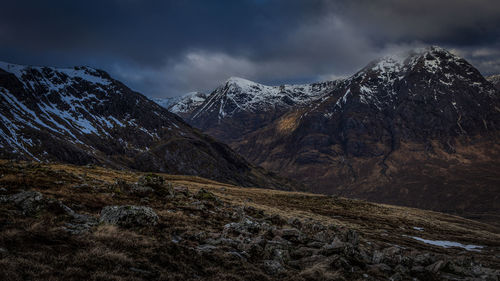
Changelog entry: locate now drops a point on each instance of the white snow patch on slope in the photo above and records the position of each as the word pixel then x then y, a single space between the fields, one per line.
pixel 448 244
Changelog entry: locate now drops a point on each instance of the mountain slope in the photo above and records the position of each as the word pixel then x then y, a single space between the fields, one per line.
pixel 183 105
pixel 240 106
pixel 82 115
pixel 419 129
pixel 495 80
pixel 204 230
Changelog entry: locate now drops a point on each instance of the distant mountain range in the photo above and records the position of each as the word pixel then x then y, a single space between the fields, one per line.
pixel 83 116
pixel 419 129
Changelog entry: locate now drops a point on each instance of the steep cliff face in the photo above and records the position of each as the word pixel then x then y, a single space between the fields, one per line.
pixel 81 115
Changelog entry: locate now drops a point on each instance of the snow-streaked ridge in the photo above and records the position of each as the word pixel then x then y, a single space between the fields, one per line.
pixel 242 95
pixel 68 102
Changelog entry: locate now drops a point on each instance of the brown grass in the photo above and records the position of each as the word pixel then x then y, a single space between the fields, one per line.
pixel 39 249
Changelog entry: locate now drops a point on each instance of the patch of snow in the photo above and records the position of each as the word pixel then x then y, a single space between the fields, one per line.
pixel 448 244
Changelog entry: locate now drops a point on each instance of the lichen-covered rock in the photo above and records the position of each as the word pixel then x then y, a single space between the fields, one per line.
pixel 151 180
pixel 204 194
pixel 181 190
pixel 141 190
pixel 273 267
pixel 129 216
pixel 29 202
pixel 152 183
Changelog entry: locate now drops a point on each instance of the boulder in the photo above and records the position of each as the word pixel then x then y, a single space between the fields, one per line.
pixel 151 180
pixel 378 257
pixel 303 252
pixel 273 267
pixel 129 216
pixel 335 247
pixel 290 233
pixel 181 190
pixel 153 183
pixel 435 267
pixel 29 202
pixel 204 194
pixel 352 237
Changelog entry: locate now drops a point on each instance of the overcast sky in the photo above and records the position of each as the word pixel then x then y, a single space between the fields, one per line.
pixel 167 48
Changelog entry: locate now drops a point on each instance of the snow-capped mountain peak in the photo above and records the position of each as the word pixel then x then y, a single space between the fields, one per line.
pixel 55 77
pixel 81 115
pixel 74 105
pixel 242 95
pixel 379 82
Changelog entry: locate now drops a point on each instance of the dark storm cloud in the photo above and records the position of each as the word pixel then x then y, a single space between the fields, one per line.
pixel 170 47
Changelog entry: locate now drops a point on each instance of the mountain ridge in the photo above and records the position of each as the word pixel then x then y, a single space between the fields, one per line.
pixel 398 131
pixel 83 116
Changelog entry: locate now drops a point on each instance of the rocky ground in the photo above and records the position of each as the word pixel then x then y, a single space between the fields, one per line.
pixel 61 222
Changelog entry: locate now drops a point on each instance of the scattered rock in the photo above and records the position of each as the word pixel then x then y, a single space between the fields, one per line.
pixel 352 237
pixel 153 183
pixel 435 267
pixel 378 257
pixel 151 180
pixel 335 247
pixel 204 194
pixel 129 216
pixel 273 267
pixel 315 244
pixel 141 190
pixel 396 277
pixel 29 202
pixel 82 187
pixel 205 248
pixel 303 252
pixel 290 233
pixel 379 269
pixel 181 190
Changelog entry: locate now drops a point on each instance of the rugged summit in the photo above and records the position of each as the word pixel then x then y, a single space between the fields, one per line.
pixel 417 129
pixel 81 115
pixel 240 106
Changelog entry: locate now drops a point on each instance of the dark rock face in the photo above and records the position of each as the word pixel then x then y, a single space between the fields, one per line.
pixel 420 129
pixel 83 116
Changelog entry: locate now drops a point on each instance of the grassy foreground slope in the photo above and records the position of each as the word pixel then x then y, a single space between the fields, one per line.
pixel 205 230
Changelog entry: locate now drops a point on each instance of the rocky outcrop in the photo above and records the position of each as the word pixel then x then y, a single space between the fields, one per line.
pixel 29 202
pixel 129 216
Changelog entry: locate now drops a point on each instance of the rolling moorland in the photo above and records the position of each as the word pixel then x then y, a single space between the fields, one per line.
pixel 73 222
